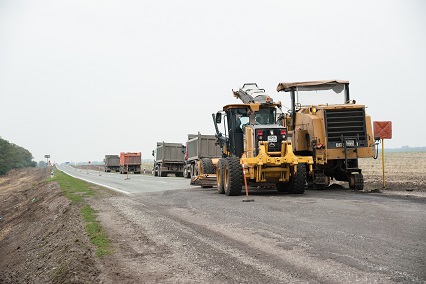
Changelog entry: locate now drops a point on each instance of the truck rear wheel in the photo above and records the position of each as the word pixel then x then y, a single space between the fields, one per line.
pixel 232 176
pixel 219 177
pixel 186 173
pixel 194 170
pixel 298 181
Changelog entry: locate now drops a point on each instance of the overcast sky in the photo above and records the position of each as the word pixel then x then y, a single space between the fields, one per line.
pixel 81 78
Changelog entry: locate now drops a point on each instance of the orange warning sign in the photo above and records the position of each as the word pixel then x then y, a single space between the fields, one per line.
pixel 382 129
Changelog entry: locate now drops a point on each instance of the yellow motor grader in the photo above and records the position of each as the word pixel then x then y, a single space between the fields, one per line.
pixel 336 135
pixel 252 138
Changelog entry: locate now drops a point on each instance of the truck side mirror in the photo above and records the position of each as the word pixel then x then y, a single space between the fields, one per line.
pixel 218 118
pixel 183 148
pixel 153 153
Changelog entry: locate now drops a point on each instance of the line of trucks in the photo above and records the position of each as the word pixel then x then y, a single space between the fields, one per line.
pixel 125 163
pixel 257 143
pixel 170 158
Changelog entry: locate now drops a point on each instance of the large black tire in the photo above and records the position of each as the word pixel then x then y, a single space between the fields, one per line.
pixel 282 187
pixel 356 182
pixel 298 181
pixel 219 177
pixel 232 176
pixel 179 174
pixel 207 166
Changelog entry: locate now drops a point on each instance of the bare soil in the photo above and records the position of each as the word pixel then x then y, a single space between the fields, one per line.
pixel 43 239
pixel 405 174
pixel 42 236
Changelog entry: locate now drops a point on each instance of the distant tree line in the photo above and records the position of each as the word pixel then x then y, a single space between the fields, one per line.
pixel 14 157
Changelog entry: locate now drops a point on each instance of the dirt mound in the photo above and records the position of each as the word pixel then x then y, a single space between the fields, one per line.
pixel 42 237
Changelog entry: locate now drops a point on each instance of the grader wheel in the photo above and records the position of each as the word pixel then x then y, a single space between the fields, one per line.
pixel 232 176
pixel 298 181
pixel 207 166
pixel 282 187
pixel 219 177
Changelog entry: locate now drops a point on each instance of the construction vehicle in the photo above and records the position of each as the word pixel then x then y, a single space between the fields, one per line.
pixel 169 159
pixel 112 163
pixel 200 152
pixel 336 135
pixel 130 162
pixel 252 138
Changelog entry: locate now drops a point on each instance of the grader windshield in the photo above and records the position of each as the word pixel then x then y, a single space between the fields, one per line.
pixel 265 116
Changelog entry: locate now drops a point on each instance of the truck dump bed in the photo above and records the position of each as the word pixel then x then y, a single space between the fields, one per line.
pixel 169 153
pixel 202 146
pixel 130 158
pixel 112 160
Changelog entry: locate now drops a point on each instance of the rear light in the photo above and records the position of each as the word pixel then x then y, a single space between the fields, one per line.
pixel 260 134
pixel 283 133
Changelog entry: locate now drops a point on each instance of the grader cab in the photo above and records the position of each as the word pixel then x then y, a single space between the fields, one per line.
pixel 251 137
pixel 335 134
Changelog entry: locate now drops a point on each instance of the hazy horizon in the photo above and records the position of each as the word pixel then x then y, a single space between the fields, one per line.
pixel 81 79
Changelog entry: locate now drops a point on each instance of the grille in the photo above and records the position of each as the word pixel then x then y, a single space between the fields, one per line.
pixel 344 124
pixel 272 146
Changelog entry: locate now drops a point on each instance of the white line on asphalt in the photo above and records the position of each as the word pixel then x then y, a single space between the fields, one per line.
pixel 107 186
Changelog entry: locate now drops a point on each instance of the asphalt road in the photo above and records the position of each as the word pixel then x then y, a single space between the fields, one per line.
pixel 176 233
pixel 127 184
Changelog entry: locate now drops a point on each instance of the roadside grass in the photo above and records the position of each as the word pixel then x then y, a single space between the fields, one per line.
pixel 96 233
pixel 76 190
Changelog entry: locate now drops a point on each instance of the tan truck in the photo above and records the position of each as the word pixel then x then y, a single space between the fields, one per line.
pixel 169 159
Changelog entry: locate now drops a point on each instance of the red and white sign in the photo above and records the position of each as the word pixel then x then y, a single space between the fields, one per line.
pixel 383 129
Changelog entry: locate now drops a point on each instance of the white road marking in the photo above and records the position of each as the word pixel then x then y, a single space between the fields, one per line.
pixel 107 186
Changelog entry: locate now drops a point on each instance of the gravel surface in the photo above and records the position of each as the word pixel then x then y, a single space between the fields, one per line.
pixel 330 236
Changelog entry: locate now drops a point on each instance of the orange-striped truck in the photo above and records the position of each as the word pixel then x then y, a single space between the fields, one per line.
pixel 130 162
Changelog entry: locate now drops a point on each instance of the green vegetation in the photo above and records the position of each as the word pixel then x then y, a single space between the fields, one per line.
pixel 13 157
pixel 76 190
pixel 96 233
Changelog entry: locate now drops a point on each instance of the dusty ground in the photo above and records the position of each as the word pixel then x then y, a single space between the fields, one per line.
pixel 42 236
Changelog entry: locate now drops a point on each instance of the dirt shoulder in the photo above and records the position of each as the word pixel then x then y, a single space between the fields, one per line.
pixel 42 236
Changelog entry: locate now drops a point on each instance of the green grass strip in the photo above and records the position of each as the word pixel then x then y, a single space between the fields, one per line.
pixel 95 231
pixel 76 190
